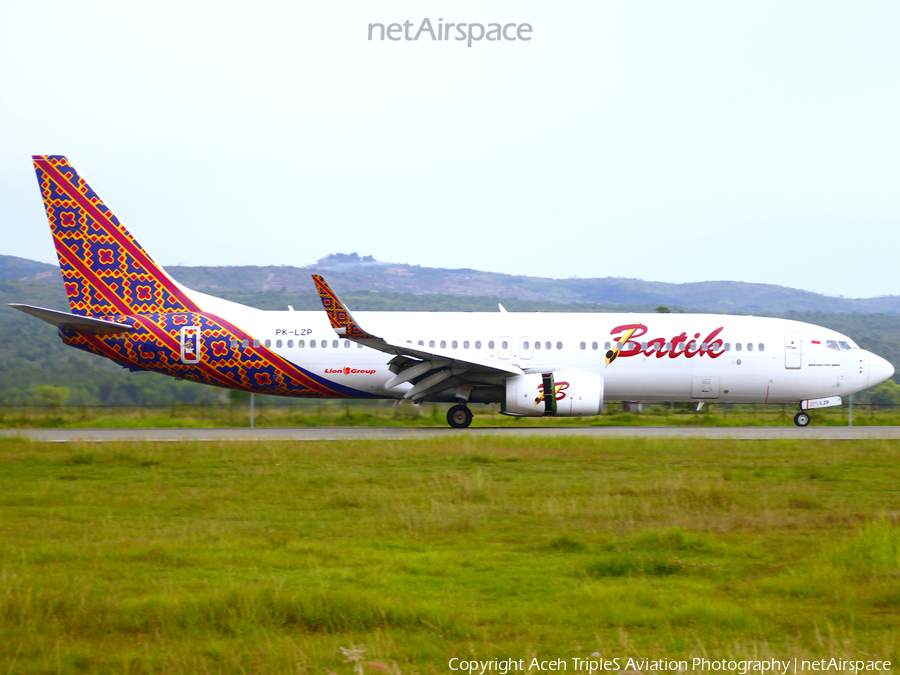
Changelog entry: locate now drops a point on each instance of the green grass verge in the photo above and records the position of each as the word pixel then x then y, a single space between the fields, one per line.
pixel 302 413
pixel 272 557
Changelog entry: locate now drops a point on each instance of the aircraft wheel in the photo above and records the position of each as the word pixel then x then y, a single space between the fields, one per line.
pixel 459 417
pixel 801 419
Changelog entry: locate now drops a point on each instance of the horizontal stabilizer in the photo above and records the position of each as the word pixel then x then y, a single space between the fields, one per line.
pixel 82 324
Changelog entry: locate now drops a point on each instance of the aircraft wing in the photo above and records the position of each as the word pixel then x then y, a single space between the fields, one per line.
pixel 82 324
pixel 434 369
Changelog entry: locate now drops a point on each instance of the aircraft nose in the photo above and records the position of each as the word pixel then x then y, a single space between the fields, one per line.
pixel 879 370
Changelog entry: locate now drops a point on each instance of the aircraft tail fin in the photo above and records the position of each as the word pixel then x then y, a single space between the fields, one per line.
pixel 105 270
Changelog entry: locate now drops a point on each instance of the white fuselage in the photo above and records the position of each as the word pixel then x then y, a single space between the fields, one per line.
pixel 758 359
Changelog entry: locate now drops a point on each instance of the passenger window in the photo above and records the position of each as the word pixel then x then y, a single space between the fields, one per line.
pixel 268 343
pixel 256 344
pixel 359 346
pixel 669 346
pixel 454 344
pixel 443 344
pixel 594 346
pixel 245 343
pixel 749 346
pixel 608 346
pixel 727 346
pixel 346 344
pixel 559 345
pixel 465 344
pixel 547 345
pixel 300 344
pixel 761 347
pixel 643 346
pixel 477 344
pixel 421 343
pixel 334 344
pixel 526 345
pixel 537 344
pixel 504 345
pixel 278 344
pixel 431 343
pixel 582 345
pixel 704 347
pixel 291 343
pixel 234 344
pixel 738 346
pixel 312 344
pixel 491 344
pixel 323 344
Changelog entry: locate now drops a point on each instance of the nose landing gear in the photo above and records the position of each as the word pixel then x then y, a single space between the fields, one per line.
pixel 459 417
pixel 801 419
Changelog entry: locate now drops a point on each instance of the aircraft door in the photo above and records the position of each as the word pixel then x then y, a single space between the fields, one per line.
pixel 525 348
pixel 793 350
pixel 190 344
pixel 505 345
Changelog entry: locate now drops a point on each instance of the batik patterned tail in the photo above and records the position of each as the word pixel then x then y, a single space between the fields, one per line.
pixel 105 269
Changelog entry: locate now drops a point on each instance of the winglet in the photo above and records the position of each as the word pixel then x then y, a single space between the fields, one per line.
pixel 341 320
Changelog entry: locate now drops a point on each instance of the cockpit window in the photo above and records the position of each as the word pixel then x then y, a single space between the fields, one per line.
pixel 844 345
pixel 832 344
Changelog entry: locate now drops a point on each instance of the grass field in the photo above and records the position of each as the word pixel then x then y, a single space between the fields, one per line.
pixel 272 557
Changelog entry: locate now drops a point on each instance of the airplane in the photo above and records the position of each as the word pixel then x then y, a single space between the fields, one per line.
pixel 125 307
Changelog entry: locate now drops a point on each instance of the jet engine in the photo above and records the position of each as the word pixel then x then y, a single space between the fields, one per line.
pixel 572 393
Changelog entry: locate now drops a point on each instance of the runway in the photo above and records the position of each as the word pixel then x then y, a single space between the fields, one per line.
pixel 418 433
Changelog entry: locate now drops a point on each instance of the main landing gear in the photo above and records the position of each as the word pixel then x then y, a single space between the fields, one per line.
pixel 459 417
pixel 801 418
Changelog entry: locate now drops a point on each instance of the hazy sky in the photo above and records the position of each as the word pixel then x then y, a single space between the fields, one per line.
pixel 670 141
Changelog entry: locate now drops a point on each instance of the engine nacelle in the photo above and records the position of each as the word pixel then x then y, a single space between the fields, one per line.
pixel 575 393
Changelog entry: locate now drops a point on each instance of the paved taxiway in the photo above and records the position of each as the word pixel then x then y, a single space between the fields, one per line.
pixel 409 433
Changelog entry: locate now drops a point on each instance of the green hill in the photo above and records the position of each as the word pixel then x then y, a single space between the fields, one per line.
pixel 347 272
